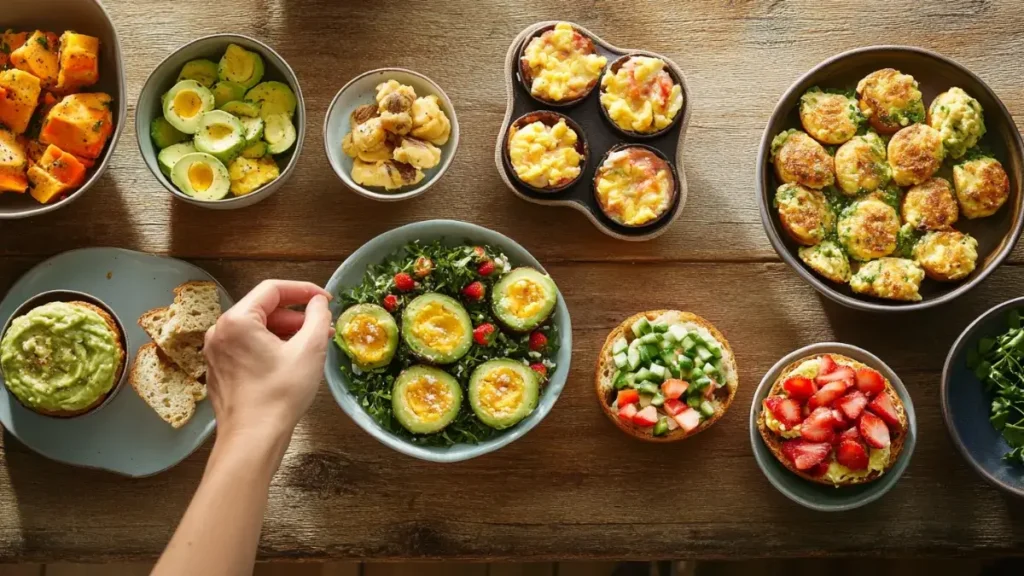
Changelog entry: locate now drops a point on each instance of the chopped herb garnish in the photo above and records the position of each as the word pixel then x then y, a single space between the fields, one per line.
pixel 999 364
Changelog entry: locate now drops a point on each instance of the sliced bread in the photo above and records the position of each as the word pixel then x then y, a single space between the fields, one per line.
pixel 168 390
pixel 180 329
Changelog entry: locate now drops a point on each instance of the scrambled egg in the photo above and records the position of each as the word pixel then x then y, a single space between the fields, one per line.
pixel 428 398
pixel 524 298
pixel 501 391
pixel 829 118
pixel 634 186
pixel 982 187
pixel 958 118
pixel 641 96
pixel 418 153
pixel 545 156
pixel 394 103
pixel 802 160
pixel 562 64
pixel 429 122
pixel 828 260
pixel 915 154
pixel 890 278
pixel 804 213
pixel 890 100
pixel 868 229
pixel 437 327
pixel 861 165
pixel 367 340
pixel 931 205
pixel 947 255
pixel 387 174
pixel 247 174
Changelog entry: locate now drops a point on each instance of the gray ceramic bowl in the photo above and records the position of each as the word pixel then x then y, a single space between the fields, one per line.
pixel 966 406
pixel 819 496
pixel 166 75
pixel 87 17
pixel 373 252
pixel 362 90
pixel 935 73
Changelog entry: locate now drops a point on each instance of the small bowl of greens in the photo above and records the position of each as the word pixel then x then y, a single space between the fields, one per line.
pixel 221 121
pixel 451 341
pixel 983 395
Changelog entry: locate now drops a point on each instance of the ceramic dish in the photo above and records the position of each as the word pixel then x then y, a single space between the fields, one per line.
pixel 126 437
pixel 935 73
pixel 351 274
pixel 166 75
pixel 86 17
pixel 362 90
pixel 966 405
pixel 819 496
pixel 601 136
pixel 549 119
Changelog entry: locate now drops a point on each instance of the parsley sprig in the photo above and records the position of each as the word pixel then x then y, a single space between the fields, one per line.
pixel 999 363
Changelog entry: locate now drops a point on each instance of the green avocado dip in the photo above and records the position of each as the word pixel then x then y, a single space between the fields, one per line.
pixel 59 358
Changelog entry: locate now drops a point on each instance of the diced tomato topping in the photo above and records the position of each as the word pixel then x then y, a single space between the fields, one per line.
pixel 852 404
pixel 627 412
pixel 826 365
pixel 837 375
pixel 828 394
pixel 873 430
pixel 709 390
pixel 882 406
pixel 688 419
pixel 799 387
pixel 646 417
pixel 818 427
pixel 851 453
pixel 627 396
pixel 869 381
pixel 673 388
pixel 785 410
pixel 805 455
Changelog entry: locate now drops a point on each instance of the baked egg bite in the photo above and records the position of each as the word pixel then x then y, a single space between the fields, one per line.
pixel 930 205
pixel 868 229
pixel 561 65
pixel 889 278
pixel 830 118
pixel 828 260
pixel 890 100
pixel 800 159
pixel 947 255
pixel 805 213
pixel 639 95
pixel 915 154
pixel 959 119
pixel 861 165
pixel 634 186
pixel 545 152
pixel 982 186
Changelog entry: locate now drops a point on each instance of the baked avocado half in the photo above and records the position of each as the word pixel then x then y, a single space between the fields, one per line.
pixel 240 66
pixel 220 135
pixel 201 176
pixel 436 328
pixel 503 392
pixel 524 299
pixel 185 103
pixel 425 399
pixel 202 70
pixel 368 335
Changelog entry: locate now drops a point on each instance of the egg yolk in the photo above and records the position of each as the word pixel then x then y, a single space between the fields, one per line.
pixel 437 327
pixel 561 64
pixel 501 391
pixel 524 298
pixel 641 95
pixel 200 176
pixel 366 338
pixel 219 131
pixel 187 104
pixel 545 156
pixel 428 398
pixel 634 187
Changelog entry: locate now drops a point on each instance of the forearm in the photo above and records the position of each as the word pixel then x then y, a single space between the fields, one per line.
pixel 220 531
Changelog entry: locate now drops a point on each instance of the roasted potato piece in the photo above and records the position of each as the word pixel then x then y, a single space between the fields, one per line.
pixel 802 160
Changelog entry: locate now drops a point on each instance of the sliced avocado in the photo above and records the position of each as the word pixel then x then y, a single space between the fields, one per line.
pixel 202 71
pixel 368 335
pixel 241 66
pixel 248 175
pixel 241 108
pixel 503 392
pixel 274 98
pixel 437 328
pixel 279 132
pixel 523 299
pixel 425 399
pixel 163 134
pixel 225 91
pixel 255 150
pixel 201 176
pixel 185 103
pixel 169 156
pixel 220 135
pixel 253 129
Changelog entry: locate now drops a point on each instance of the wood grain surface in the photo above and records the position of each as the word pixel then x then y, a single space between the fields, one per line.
pixel 575 487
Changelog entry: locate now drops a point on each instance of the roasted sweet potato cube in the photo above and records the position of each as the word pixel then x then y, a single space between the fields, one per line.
pixel 9 42
pixel 19 94
pixel 79 124
pixel 38 57
pixel 79 61
pixel 13 162
pixel 56 174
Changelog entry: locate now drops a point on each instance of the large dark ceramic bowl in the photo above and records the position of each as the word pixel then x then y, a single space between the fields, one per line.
pixel 935 73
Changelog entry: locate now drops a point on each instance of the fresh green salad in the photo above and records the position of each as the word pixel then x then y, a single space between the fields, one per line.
pixel 999 364
pixel 448 344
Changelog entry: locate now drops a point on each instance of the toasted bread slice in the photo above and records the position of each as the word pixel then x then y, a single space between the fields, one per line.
pixel 168 390
pixel 774 442
pixel 180 329
pixel 606 371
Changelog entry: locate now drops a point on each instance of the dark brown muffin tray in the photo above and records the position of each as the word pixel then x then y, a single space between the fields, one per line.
pixel 600 135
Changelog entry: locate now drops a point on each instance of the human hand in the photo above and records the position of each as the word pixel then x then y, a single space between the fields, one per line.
pixel 265 361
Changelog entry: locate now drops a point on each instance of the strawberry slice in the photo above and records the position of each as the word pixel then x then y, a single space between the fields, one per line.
pixel 851 433
pixel 869 381
pixel 805 455
pixel 673 407
pixel 873 430
pixel 818 426
pixel 828 394
pixel 852 404
pixel 839 421
pixel 647 417
pixel 826 364
pixel 852 454
pixel 839 374
pixel 818 470
pixel 883 408
pixel 627 396
pixel 799 387
pixel 627 412
pixel 785 410
pixel 688 419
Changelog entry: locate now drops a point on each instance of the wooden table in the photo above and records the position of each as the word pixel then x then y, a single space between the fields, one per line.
pixel 575 487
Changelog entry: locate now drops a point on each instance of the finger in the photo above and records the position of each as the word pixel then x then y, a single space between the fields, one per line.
pixel 316 325
pixel 285 321
pixel 270 295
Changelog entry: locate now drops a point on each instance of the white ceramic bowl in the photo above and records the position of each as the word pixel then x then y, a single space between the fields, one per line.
pixel 362 90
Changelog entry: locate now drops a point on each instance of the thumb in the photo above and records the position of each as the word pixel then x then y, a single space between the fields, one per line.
pixel 314 331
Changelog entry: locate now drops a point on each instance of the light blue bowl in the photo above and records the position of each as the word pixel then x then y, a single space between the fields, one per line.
pixel 351 273
pixel 819 496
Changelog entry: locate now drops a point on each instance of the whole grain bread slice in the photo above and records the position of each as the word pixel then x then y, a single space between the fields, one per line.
pixel 180 329
pixel 165 387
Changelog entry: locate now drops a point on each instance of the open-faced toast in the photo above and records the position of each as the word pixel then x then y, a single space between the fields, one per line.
pixel 719 395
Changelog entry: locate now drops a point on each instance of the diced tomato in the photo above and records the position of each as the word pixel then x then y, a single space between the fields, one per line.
pixel 785 410
pixel 627 412
pixel 805 455
pixel 828 394
pixel 873 430
pixel 839 374
pixel 883 408
pixel 688 419
pixel 852 404
pixel 799 387
pixel 869 381
pixel 673 388
pixel 646 417
pixel 818 427
pixel 826 364
pixel 627 396
pixel 673 407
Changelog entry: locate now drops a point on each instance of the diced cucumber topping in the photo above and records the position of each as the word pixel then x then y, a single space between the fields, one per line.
pixel 694 402
pixel 648 388
pixel 696 372
pixel 650 338
pixel 661 326
pixel 641 327
pixel 666 344
pixel 642 375
pixel 658 399
pixel 707 409
pixel 669 359
pixel 652 350
pixel 620 346
pixel 661 428
pixel 704 353
pixel 645 355
pixel 631 380
pixel 710 369
pixel 702 382
pixel 715 350
pixel 658 372
pixel 619 379
pixel 677 332
pixel 633 358
pixel 685 363
pixel 689 346
pixel 620 359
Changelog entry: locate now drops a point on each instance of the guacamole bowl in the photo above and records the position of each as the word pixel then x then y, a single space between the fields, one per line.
pixel 337 369
pixel 166 75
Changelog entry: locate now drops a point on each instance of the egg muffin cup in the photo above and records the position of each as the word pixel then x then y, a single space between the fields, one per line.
pixel 673 193
pixel 525 75
pixel 549 119
pixel 613 68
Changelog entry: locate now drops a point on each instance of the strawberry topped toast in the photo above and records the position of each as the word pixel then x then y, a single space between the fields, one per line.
pixel 833 420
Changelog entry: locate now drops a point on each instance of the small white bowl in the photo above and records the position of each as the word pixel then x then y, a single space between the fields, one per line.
pixel 362 90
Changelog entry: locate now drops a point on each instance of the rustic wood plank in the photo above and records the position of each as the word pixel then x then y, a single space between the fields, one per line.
pixel 21 570
pixel 134 569
pixel 307 569
pixel 586 568
pixel 815 567
pixel 415 569
pixel 521 569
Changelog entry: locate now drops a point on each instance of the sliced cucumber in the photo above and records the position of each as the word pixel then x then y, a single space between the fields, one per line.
pixel 633 358
pixel 641 327
pixel 642 375
pixel 661 428
pixel 620 345
pixel 707 409
pixel 685 362
pixel 279 132
pixel 658 372
pixel 658 399
pixel 650 338
pixel 660 326
pixel 620 359
pixel 677 332
pixel 704 353
pixel 647 387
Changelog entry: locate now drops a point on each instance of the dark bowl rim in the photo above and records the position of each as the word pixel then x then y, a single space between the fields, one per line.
pixel 661 156
pixel 521 51
pixel 613 67
pixel 1009 241
pixel 581 143
pixel 947 367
